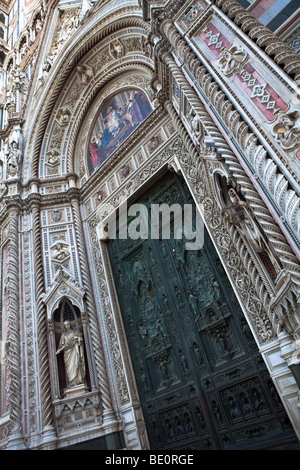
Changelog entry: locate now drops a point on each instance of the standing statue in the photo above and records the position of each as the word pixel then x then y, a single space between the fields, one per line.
pixel 71 344
pixel 13 159
pixel 248 226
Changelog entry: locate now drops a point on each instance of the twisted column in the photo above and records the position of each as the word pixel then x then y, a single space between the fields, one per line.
pixel 244 254
pixel 92 316
pixel 45 383
pixel 13 346
pixel 261 212
pixel 277 49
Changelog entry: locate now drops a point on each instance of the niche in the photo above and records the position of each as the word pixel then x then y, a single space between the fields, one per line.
pixel 70 344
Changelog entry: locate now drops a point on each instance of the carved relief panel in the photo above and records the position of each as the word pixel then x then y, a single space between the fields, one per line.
pixel 59 244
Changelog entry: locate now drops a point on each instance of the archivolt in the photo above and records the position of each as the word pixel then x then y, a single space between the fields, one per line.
pixel 82 106
pixel 86 39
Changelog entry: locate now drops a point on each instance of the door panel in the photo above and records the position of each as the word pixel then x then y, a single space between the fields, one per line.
pixel 201 380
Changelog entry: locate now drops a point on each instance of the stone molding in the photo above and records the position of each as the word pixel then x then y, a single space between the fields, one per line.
pixel 264 38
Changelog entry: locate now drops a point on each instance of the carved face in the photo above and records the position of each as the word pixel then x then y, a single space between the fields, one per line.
pixel 286 121
pixel 67 325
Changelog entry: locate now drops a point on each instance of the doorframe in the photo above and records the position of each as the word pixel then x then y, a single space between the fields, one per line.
pixel 275 350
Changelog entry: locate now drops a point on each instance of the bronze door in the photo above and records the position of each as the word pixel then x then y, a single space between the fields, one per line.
pixel 201 380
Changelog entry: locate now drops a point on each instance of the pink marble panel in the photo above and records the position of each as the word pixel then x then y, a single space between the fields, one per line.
pixel 248 79
pixel 214 39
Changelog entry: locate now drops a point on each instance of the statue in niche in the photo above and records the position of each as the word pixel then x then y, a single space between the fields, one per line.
pixel 192 13
pixel 249 226
pixel 116 49
pixel 13 159
pixel 86 5
pixel 200 417
pixel 212 290
pixel 197 352
pixel 223 341
pixel 258 399
pixel 85 74
pixel 64 117
pixel 71 344
pixel 193 302
pixel 216 289
pixel 38 26
pixel 196 125
pixel 233 407
pixel 142 330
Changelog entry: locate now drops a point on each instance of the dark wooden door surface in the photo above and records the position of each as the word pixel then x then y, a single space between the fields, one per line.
pixel 201 380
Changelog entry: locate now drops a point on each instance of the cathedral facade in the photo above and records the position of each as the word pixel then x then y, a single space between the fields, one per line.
pixel 118 118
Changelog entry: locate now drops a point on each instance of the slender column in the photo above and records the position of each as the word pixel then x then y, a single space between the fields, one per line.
pixel 52 348
pixel 13 346
pixel 88 350
pixel 45 383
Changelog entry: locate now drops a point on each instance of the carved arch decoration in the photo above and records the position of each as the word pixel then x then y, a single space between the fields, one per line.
pixel 87 81
pixel 175 156
pixel 278 232
pixel 96 33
